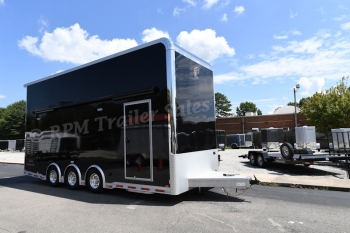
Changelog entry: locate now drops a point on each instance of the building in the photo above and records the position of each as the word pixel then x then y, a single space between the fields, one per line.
pixel 244 124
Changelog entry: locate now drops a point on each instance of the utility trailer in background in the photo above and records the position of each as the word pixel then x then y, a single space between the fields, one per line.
pixel 236 141
pixel 271 138
pixel 305 156
pixel 142 120
pixel 305 137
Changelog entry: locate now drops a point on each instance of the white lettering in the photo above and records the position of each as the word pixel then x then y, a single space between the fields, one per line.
pixel 110 122
pixel 83 129
pixel 67 127
pixel 100 122
pixel 196 107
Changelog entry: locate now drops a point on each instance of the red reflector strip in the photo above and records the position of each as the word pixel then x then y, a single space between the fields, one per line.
pixel 159 190
pixel 35 176
pixel 146 189
pixel 119 186
pixel 131 187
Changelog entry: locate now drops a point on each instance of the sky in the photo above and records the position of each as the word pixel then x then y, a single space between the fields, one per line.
pixel 259 50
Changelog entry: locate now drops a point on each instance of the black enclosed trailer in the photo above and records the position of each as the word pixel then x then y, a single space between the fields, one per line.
pixel 141 120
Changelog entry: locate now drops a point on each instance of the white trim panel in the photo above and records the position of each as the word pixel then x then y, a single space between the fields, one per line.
pixel 192 164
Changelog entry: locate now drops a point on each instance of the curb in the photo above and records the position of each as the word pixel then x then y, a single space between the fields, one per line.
pixel 303 186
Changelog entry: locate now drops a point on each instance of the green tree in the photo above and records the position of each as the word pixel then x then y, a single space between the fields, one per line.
pixel 222 105
pixel 247 107
pixel 12 121
pixel 329 109
pixel 300 103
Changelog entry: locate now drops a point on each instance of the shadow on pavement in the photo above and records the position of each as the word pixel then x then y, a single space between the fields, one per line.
pixel 293 170
pixel 114 196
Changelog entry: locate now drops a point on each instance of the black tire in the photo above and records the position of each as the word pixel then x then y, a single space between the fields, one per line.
pixel 72 178
pixel 94 181
pixel 252 159
pixel 287 150
pixel 260 160
pixel 52 176
pixel 234 146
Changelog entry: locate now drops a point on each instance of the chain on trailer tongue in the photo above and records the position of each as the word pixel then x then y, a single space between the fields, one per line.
pixel 235 192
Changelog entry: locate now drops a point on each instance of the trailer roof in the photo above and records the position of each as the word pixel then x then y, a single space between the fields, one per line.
pixel 169 45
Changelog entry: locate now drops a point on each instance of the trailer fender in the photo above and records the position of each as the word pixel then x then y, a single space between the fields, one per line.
pixel 101 172
pixel 78 171
pixel 58 170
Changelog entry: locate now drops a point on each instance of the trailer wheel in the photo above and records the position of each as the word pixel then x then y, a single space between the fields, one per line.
pixel 95 181
pixel 287 150
pixel 72 178
pixel 260 160
pixel 252 159
pixel 52 176
pixel 234 146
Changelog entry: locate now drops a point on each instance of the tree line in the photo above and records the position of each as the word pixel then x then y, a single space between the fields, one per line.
pixel 326 110
pixel 12 121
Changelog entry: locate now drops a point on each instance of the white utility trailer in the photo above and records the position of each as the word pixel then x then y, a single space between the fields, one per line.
pixel 306 156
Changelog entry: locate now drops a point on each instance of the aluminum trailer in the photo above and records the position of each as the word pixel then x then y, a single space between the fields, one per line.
pixel 142 120
pixel 289 155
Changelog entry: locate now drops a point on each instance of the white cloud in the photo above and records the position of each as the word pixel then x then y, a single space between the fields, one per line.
pixel 316 59
pixel 177 11
pixel 321 10
pixel 153 34
pixel 224 18
pixel 250 56
pixel 285 35
pixel 239 10
pixel 280 37
pixel 345 26
pixel 58 71
pixel 308 46
pixel 160 11
pixel 224 4
pixel 205 44
pixel 2 2
pixel 292 14
pixel 308 86
pixel 73 45
pixel 340 18
pixel 2 96
pixel 43 24
pixel 190 2
pixel 295 32
pixel 209 3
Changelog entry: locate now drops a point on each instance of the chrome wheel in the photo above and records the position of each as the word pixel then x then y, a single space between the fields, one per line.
pixel 252 159
pixel 285 151
pixel 94 181
pixel 53 176
pixel 72 178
